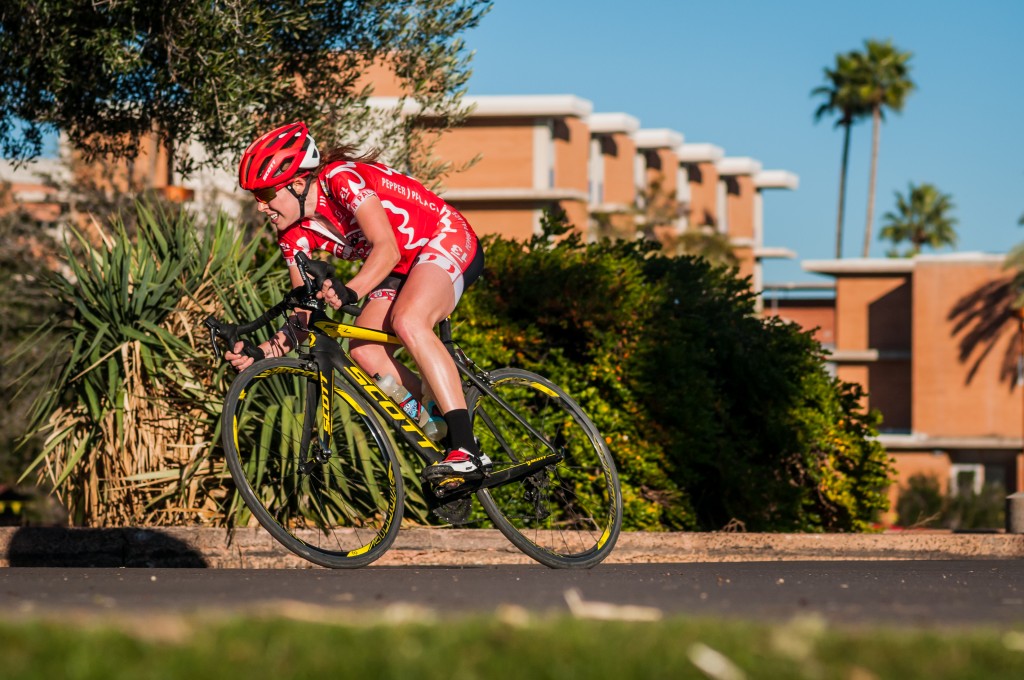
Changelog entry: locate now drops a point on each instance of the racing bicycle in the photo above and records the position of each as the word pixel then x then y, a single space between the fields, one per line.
pixel 312 445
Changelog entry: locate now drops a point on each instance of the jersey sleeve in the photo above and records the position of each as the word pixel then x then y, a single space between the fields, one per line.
pixel 290 246
pixel 349 185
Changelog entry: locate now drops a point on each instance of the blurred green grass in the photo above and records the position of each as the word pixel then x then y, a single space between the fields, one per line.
pixel 320 643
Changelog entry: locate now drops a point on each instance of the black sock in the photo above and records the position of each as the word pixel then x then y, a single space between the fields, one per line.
pixel 460 432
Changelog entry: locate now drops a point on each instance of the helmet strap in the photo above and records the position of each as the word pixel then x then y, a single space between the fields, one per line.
pixel 301 198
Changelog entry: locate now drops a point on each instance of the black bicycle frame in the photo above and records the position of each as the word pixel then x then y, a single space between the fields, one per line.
pixel 329 355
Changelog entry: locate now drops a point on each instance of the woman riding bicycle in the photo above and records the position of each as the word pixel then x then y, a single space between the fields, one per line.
pixel 419 254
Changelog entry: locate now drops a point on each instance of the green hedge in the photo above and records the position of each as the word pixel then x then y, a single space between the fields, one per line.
pixel 717 418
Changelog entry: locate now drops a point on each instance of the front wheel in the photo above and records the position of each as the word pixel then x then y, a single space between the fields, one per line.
pixel 568 514
pixel 328 490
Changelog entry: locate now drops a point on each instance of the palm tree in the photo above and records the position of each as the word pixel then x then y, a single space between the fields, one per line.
pixel 1015 261
pixel 922 218
pixel 841 97
pixel 883 82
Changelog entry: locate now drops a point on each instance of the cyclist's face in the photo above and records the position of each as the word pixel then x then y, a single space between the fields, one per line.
pixel 283 208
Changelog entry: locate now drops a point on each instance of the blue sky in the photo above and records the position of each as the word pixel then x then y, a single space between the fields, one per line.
pixel 739 74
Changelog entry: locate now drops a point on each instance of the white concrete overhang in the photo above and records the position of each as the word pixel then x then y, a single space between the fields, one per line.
pixel 776 179
pixel 512 106
pixel 610 208
pixel 859 265
pixel 800 285
pixel 34 171
pixel 35 196
pixel 409 107
pixel 608 123
pixel 738 165
pixel 774 253
pixel 868 356
pixel 523 194
pixel 973 257
pixel 700 153
pixel 917 441
pixel 529 105
pixel 658 138
pixel 896 265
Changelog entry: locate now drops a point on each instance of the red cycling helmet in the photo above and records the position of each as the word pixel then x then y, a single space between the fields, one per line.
pixel 278 157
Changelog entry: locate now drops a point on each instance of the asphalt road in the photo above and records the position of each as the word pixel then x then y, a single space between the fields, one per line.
pixel 913 593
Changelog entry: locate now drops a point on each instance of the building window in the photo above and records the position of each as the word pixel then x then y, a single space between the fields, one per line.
pixel 543 154
pixel 722 207
pixel 966 479
pixel 596 171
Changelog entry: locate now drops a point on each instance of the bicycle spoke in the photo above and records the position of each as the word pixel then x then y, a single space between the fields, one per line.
pixel 568 513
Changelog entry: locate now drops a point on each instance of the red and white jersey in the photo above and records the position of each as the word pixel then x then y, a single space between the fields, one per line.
pixel 416 214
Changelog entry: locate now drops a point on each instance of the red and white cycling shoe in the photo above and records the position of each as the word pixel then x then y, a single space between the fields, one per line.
pixel 458 467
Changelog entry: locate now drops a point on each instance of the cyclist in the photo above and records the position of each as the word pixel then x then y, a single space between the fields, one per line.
pixel 419 256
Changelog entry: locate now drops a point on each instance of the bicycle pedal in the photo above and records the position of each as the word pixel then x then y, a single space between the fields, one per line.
pixel 448 485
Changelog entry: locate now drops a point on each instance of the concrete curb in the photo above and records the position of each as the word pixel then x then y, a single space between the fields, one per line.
pixel 255 548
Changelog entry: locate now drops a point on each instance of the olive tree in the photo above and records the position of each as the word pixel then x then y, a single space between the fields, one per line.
pixel 107 73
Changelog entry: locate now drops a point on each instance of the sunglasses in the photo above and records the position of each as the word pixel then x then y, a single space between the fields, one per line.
pixel 265 195
pixel 268 194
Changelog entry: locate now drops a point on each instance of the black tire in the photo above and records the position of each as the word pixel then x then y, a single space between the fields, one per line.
pixel 344 511
pixel 569 514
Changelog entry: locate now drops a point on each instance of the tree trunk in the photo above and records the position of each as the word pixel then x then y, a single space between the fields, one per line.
pixel 170 160
pixel 876 131
pixel 842 190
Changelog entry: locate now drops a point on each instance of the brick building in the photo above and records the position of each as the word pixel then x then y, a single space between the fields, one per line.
pixel 533 154
pixel 612 174
pixel 935 344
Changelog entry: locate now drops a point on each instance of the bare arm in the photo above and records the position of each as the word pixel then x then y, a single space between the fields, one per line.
pixel 373 220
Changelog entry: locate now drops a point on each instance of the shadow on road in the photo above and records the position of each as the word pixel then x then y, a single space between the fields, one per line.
pixel 72 547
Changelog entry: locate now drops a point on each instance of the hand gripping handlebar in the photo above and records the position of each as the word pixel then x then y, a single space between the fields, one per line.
pixel 313 274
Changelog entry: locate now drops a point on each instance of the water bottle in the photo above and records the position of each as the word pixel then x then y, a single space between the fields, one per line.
pixel 436 426
pixel 403 398
pixel 428 417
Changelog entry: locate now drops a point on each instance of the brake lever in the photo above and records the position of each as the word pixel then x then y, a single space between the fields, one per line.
pixel 302 263
pixel 214 327
pixel 216 347
pixel 220 330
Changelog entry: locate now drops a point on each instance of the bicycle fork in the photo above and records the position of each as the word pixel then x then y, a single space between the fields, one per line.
pixel 321 452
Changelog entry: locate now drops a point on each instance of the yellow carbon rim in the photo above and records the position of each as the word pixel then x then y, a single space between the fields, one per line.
pixel 391 497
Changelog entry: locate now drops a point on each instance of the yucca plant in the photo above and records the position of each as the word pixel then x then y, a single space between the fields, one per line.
pixel 130 422
pixel 131 427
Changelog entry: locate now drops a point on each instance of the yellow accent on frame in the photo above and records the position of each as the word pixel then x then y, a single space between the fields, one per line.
pixel 344 330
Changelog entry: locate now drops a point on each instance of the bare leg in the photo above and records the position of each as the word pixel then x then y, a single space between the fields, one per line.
pixel 374 357
pixel 426 298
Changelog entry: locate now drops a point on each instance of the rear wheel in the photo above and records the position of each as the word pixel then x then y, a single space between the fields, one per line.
pixel 568 514
pixel 329 492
